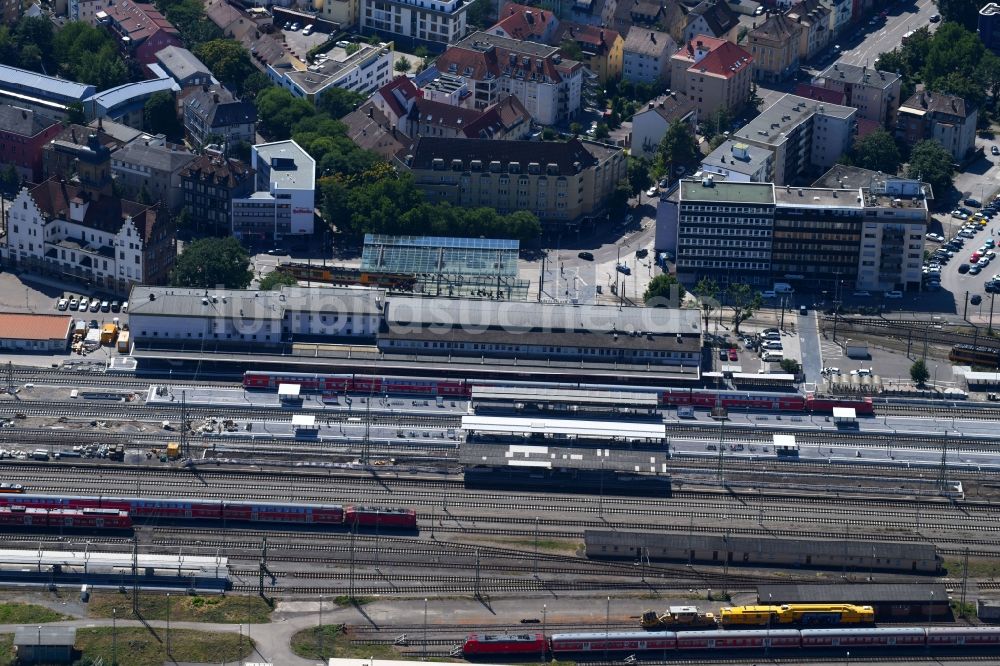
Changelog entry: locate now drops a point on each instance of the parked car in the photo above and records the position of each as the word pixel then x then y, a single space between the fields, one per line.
pixel 934 18
pixel 935 237
pixel 116 306
pixel 995 150
pixel 734 355
pixel 622 268
pixel 587 256
pixel 975 203
pixel 976 299
pixel 975 270
pixel 73 303
pixel 125 306
pixel 84 304
pixel 964 268
pixel 62 304
pixel 862 294
pixel 105 306
pixel 652 192
pixel 723 355
pixel 803 310
pixel 95 305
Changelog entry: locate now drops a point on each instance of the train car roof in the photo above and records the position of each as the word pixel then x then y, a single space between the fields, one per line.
pixel 175 500
pixel 963 630
pixel 600 635
pixel 491 638
pixel 751 633
pixel 911 631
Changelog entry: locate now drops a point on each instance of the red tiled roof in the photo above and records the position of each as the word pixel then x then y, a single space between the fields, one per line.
pixel 398 93
pixel 724 59
pixel 521 22
pixel 503 115
pixel 55 198
pixel 591 35
pixel 15 326
pixel 866 127
pixel 139 20
pixel 476 64
pixel 819 94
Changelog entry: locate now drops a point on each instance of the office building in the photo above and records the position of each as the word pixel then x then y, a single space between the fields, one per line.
pixel 23 136
pixel 283 203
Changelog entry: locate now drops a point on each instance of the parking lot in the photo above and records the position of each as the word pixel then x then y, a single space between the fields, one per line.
pixel 963 281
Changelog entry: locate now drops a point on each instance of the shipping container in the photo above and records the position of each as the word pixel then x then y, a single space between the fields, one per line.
pixel 108 334
pixel 123 342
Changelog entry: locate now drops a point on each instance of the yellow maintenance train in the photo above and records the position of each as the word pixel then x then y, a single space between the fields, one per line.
pixel 797 614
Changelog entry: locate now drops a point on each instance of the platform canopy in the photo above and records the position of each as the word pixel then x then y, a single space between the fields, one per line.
pixel 571 427
pixel 785 443
pixel 303 421
pixel 844 414
pixel 289 391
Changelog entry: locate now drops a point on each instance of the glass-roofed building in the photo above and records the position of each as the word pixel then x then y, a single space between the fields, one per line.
pixel 476 267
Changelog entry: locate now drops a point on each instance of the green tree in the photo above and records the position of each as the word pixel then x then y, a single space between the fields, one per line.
pixel 143 196
pixel 338 102
pixel 639 178
pixel 189 19
pixel 159 114
pixel 745 301
pixel 212 262
pixel 931 163
pixel 877 151
pixel 575 129
pixel 951 62
pixel 228 60
pixel 919 373
pixel 962 12
pixel 791 366
pixel 403 65
pixel 275 280
pixel 480 14
pixel 664 291
pixel 707 291
pixel 570 49
pixel 677 148
pixel 278 111
pixel 602 131
pixel 257 82
pixel 326 140
pixel 10 182
pixel 87 54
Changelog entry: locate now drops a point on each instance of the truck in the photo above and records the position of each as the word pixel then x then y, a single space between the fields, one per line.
pixel 108 334
pixel 173 451
pixel 117 452
pixel 677 617
pixel 856 349
pixel 123 342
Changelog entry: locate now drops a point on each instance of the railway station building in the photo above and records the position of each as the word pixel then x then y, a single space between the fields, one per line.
pixel 660 336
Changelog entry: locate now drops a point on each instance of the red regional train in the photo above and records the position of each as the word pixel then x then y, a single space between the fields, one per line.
pixel 220 510
pixel 559 645
pixel 91 519
pixel 708 398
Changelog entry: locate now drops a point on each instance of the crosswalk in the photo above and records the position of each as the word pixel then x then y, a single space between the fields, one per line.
pixel 831 351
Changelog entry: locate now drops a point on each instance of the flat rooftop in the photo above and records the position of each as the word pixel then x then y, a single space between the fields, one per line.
pixel 817 196
pixel 332 69
pixel 564 457
pixel 301 177
pixel 726 192
pixel 572 396
pixel 608 430
pixel 776 121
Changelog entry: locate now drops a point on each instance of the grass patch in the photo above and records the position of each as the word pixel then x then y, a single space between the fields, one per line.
pixel 184 608
pixel 963 610
pixel 977 568
pixel 6 649
pixel 138 647
pixel 344 600
pixel 337 643
pixel 18 613
pixel 552 545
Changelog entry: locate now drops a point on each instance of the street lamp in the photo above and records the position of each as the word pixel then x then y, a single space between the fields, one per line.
pixel 168 623
pixel 425 628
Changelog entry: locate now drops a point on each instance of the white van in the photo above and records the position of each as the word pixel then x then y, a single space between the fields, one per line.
pixel 773 356
pixel 783 288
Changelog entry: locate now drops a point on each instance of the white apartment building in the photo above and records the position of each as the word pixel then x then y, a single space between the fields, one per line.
pixel 430 22
pixel 364 71
pixel 803 134
pixel 284 203
pixel 493 66
pixel 873 93
pixel 646 56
